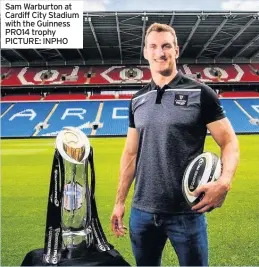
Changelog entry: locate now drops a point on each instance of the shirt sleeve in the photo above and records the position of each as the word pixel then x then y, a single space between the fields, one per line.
pixel 210 104
pixel 131 116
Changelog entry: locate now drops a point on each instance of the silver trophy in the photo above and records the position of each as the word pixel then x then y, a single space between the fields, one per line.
pixel 73 233
pixel 74 147
pixel 72 225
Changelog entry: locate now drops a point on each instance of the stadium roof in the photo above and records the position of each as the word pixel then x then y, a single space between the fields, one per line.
pixel 118 38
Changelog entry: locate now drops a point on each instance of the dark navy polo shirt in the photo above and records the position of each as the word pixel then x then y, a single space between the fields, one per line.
pixel 171 123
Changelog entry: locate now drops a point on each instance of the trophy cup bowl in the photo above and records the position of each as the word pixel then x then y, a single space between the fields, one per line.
pixel 73 145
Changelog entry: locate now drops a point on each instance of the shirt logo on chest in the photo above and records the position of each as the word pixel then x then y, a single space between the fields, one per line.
pixel 180 100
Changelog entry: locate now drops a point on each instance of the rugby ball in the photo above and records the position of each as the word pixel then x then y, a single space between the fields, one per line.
pixel 201 170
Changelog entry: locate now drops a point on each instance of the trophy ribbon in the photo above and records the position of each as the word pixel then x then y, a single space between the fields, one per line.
pixel 53 233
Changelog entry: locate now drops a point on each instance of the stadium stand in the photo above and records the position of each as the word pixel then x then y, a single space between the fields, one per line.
pixel 251 106
pixel 96 75
pixel 4 107
pixel 109 117
pixel 114 118
pixel 22 118
pixel 79 114
pixel 239 94
pixel 65 97
pixel 43 91
pixel 121 96
pixel 239 117
pixel 21 98
pixel 123 75
pixel 102 97
pixel 44 76
pixel 103 111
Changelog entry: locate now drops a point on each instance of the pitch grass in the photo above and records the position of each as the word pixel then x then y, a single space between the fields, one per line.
pixel 26 165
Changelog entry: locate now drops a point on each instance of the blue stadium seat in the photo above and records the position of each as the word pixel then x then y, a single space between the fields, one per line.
pixel 114 118
pixel 251 106
pixel 4 107
pixel 238 118
pixel 73 113
pixel 20 121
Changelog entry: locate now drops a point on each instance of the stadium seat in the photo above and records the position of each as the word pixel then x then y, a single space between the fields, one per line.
pixel 65 97
pixel 21 98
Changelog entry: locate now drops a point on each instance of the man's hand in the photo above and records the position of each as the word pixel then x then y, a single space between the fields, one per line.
pixel 214 194
pixel 117 220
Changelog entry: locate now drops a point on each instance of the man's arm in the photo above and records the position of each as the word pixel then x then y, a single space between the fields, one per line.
pixel 215 192
pixel 127 170
pixel 225 137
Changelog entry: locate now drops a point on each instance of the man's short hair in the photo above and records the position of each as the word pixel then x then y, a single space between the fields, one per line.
pixel 158 27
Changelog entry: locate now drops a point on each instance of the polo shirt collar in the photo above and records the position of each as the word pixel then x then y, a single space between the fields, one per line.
pixel 171 84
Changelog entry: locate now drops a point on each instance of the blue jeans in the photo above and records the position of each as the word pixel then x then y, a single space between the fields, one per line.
pixel 187 234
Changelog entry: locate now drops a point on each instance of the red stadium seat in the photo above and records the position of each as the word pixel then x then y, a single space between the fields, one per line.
pixel 239 94
pixel 21 98
pixel 102 97
pixel 65 97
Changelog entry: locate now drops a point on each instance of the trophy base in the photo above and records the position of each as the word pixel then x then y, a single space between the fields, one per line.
pixel 87 258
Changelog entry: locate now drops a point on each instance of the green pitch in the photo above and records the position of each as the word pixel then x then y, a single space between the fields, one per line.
pixel 26 166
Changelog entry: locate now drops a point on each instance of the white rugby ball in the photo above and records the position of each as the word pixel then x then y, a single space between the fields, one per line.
pixel 201 170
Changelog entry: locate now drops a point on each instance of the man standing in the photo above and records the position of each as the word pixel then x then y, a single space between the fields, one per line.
pixel 168 122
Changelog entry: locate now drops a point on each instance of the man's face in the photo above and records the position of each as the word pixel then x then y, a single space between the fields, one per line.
pixel 161 52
